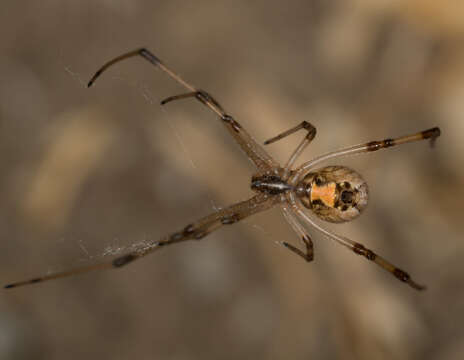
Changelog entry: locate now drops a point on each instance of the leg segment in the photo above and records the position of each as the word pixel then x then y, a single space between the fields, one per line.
pixel 398 273
pixel 303 125
pixel 194 231
pixel 178 97
pixel 309 254
pixel 200 95
pixel 357 248
pixel 299 150
pixel 431 134
pixel 253 150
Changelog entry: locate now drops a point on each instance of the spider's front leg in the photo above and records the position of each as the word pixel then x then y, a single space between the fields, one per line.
pixel 260 158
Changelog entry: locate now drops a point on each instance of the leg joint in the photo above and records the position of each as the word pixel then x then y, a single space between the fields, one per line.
pixel 361 250
pixel 402 275
pixel 232 122
pixel 206 98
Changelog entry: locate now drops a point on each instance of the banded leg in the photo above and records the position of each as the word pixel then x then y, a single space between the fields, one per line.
pixel 356 247
pixel 252 149
pixel 431 134
pixel 299 150
pixel 194 231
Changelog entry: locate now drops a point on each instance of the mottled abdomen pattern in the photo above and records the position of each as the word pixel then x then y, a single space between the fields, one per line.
pixel 334 193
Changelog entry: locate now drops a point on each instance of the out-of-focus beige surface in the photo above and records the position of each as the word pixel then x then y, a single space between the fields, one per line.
pixel 86 173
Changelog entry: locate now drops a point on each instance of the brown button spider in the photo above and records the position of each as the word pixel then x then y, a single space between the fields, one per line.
pixel 333 193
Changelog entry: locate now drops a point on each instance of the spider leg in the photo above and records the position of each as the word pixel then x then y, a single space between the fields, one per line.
pixel 308 255
pixel 178 97
pixel 303 125
pixel 299 150
pixel 200 95
pixel 299 229
pixel 431 134
pixel 252 149
pixel 195 231
pixel 356 247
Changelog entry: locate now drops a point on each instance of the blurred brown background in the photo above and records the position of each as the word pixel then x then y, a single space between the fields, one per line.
pixel 87 173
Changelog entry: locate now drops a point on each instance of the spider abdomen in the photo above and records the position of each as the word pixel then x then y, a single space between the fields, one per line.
pixel 334 193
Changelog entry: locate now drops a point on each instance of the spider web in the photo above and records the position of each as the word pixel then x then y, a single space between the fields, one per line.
pixel 116 248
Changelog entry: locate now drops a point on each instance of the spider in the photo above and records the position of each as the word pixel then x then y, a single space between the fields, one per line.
pixel 333 193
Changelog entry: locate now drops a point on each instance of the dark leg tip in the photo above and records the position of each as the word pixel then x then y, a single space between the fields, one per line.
pixel 432 133
pixel 9 286
pixel 416 286
pixel 92 80
pixel 149 56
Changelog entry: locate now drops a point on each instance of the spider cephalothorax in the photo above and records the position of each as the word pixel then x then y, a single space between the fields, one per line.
pixel 271 184
pixel 334 193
